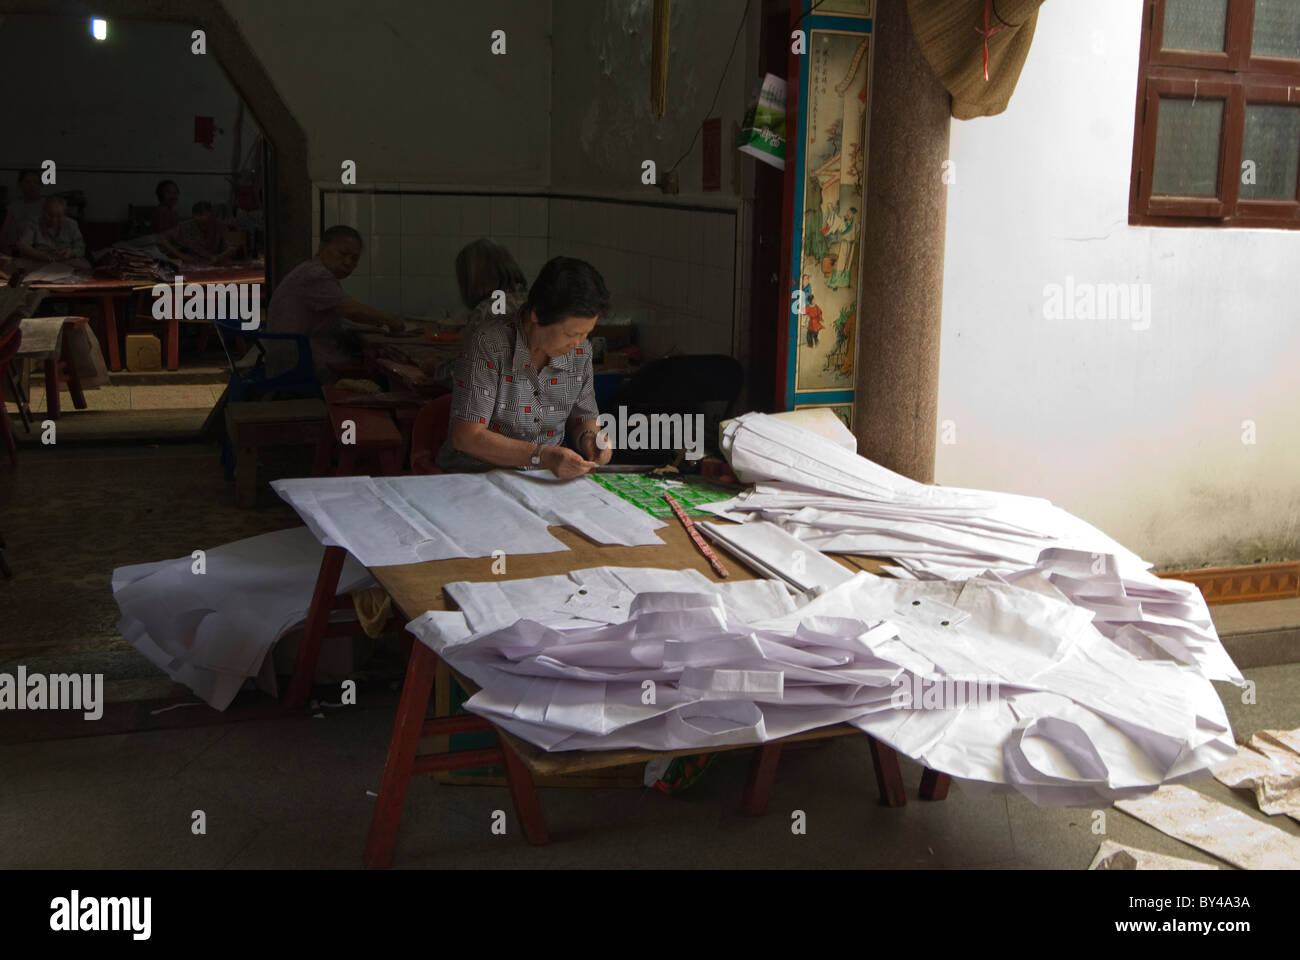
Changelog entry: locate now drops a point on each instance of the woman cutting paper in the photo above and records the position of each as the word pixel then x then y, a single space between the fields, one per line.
pixel 524 380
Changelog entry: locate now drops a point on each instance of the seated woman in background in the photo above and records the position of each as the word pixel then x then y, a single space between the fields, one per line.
pixel 482 269
pixel 523 380
pixel 53 237
pixel 166 218
pixel 200 240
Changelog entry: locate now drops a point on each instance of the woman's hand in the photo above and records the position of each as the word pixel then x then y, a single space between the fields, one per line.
pixel 598 451
pixel 564 463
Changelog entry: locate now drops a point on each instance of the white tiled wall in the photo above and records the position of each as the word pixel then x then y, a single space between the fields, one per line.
pixel 412 238
pixel 672 270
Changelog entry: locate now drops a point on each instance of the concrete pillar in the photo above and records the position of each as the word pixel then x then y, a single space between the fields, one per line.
pixel 901 299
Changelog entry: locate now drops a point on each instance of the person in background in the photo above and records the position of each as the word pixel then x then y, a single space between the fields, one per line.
pixel 201 239
pixel 27 207
pixel 53 237
pixel 524 380
pixel 310 300
pixel 482 269
pixel 165 217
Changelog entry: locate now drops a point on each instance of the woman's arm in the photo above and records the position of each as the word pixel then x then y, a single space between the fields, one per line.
pixel 478 441
pixel 593 445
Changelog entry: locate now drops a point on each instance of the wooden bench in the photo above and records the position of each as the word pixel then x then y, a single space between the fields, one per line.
pixel 374 435
pixel 273 423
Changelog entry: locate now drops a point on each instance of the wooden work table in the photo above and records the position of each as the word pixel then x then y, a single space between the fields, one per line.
pixel 418 587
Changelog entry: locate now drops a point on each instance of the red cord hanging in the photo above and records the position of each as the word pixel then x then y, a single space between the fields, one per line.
pixel 986 33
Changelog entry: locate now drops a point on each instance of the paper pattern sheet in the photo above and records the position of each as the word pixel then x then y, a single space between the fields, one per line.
pixel 1116 856
pixel 1270 765
pixel 1217 828
pixel 384 521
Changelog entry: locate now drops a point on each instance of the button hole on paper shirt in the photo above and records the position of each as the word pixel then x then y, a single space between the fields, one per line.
pixel 582 591
pixel 943 623
pixel 916 603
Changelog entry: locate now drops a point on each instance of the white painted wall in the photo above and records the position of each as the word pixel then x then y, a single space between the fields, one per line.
pixel 122 110
pixel 1138 431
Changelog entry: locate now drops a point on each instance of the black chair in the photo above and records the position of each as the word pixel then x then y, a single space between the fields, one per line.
pixel 707 384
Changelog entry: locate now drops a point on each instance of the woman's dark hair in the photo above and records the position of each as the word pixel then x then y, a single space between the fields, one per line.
pixel 567 288
pixel 162 185
pixel 482 268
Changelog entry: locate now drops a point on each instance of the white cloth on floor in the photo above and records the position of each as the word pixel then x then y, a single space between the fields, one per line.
pixel 212 631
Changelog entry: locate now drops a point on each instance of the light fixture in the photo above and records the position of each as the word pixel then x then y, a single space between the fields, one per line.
pixel 99 28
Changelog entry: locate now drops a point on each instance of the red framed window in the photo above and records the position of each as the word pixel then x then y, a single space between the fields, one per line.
pixel 1216 140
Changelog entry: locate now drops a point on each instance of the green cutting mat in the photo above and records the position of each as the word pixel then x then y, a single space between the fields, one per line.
pixel 647 492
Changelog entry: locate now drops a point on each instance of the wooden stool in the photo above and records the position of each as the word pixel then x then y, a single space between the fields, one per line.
pixel 47 340
pixel 269 423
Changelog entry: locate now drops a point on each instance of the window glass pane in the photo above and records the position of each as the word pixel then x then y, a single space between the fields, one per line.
pixel 1272 142
pixel 1187 148
pixel 1277 29
pixel 1194 24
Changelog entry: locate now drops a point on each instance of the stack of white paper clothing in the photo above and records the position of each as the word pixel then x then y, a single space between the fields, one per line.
pixel 211 624
pixel 769 550
pixel 832 499
pixel 1005 685
pixel 384 521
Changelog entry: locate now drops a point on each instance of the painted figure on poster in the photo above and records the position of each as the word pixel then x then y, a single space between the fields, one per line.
pixel 814 321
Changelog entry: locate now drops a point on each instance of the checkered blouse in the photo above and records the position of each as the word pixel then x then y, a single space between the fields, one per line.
pixel 495 384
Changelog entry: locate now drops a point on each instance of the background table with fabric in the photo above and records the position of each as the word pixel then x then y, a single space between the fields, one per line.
pixel 204 277
pixel 418 587
pixel 104 293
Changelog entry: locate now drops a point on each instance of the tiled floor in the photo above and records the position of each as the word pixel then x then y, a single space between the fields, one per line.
pixel 152 397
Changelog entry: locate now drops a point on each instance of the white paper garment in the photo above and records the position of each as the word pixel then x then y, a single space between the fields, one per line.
pixel 836 501
pixel 213 630
pixel 774 552
pixel 385 521
pixel 1005 686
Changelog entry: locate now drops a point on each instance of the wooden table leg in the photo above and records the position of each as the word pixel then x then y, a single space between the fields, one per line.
pixel 52 388
pixel 173 343
pixel 762 774
pixel 888 777
pixel 524 793
pixel 245 475
pixel 21 401
pixel 109 312
pixel 318 615
pixel 934 785
pixel 73 378
pixel 411 708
